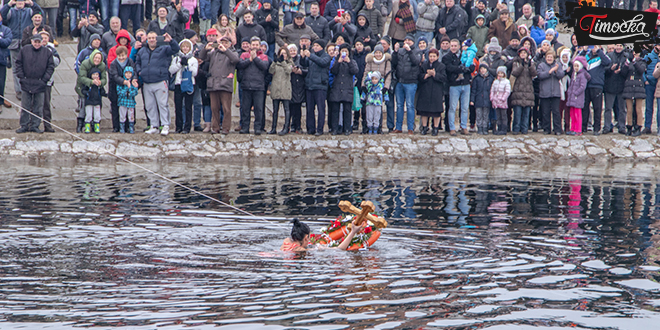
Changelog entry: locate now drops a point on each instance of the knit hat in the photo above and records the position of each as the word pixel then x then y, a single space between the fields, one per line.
pixel 93 71
pixel 422 38
pixel 345 46
pixel 269 1
pixel 501 69
pixel 320 42
pixel 379 48
pixel 550 31
pixel 467 43
pixel 342 35
pixel 161 5
pixel 246 39
pixel 445 38
pixel 409 37
pixel 225 38
pixel 37 13
pixel 546 42
pixel 374 74
pixel 93 12
pixel 188 33
pixel 211 31
pixel 494 45
pixel 483 64
pixel 478 17
pixel 94 37
pixel 387 39
pixel 579 64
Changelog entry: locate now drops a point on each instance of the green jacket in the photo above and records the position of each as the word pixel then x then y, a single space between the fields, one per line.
pixel 478 36
pixel 85 67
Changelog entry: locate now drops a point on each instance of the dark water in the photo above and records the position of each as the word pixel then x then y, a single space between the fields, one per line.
pixel 498 247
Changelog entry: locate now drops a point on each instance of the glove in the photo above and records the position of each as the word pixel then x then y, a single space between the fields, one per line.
pixel 184 61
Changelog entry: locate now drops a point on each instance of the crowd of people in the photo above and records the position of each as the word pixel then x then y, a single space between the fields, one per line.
pixel 497 65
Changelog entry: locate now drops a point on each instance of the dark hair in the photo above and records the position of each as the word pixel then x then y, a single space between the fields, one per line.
pixel 299 230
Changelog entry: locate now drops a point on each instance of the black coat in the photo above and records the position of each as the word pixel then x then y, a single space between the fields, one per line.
pixel 116 75
pixel 34 67
pixel 480 91
pixel 254 72
pixel 342 84
pixel 320 26
pixel 615 81
pixel 269 27
pixel 317 65
pixel 360 59
pixel 248 31
pixel 407 65
pixel 634 85
pixel 454 68
pixel 298 94
pixel 453 20
pixel 431 90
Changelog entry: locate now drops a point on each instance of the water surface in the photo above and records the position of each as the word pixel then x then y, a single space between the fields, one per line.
pixel 498 247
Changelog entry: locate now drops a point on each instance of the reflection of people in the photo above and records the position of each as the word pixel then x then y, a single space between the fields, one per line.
pixel 299 239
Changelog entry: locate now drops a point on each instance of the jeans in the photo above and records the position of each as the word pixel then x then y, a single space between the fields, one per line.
pixel 249 99
pixel 132 12
pixel 197 107
pixel 271 53
pixel 390 113
pixel 521 119
pixel 35 104
pixel 288 18
pixel 109 8
pixel 73 18
pixel 610 101
pixel 405 93
pixel 52 18
pixel 595 97
pixel 181 100
pixel 456 93
pixel 650 95
pixel 316 98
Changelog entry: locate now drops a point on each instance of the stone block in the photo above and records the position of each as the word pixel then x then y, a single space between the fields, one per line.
pixel 459 144
pixel 203 154
pixel 209 148
pixel 126 149
pixel 264 151
pixel 563 143
pixel 347 144
pixel 645 155
pixel 594 151
pixel 443 148
pixel 577 151
pixel 478 144
pixel 641 145
pixel 327 143
pixel 621 143
pixel 6 143
pixel 94 147
pixel 65 147
pixel 37 146
pixel 621 152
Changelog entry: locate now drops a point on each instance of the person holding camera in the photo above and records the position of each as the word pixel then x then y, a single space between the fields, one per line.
pixel 341 92
pixel 170 20
pixel 614 90
pixel 317 62
pixel 222 59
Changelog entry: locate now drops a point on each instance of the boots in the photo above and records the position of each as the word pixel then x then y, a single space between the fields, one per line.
pixel 273 130
pixel 629 130
pixel 356 121
pixel 97 128
pixel 122 128
pixel 207 127
pixel 484 130
pixel 424 130
pixel 81 124
pixel 637 131
pixel 131 127
pixel 287 122
pixel 434 131
pixel 88 128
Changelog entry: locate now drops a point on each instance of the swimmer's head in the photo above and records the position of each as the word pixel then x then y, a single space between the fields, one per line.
pixel 300 232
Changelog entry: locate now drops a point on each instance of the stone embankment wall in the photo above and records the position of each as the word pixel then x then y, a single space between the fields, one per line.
pixel 359 148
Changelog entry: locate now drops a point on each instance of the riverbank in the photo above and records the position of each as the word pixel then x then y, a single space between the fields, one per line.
pixel 357 148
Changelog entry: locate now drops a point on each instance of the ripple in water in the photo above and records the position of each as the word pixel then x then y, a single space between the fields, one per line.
pixel 500 247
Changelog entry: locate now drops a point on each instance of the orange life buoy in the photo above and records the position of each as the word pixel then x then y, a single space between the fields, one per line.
pixel 374 237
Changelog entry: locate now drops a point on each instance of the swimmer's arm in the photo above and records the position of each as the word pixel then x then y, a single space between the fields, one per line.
pixel 347 240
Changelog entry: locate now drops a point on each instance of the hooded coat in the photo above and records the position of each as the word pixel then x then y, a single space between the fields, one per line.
pixel 87 65
pixel 634 84
pixel 480 90
pixel 176 68
pixel 280 88
pixel 375 19
pixel 479 35
pixel 578 85
pixel 112 53
pixel 522 92
pixel 364 32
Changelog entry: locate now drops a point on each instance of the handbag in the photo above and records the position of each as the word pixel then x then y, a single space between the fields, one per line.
pixel 357 103
pixel 187 85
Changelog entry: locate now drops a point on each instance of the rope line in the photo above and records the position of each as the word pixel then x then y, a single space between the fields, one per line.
pixel 76 136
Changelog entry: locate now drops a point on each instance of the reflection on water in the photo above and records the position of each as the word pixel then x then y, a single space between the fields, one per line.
pixel 498 247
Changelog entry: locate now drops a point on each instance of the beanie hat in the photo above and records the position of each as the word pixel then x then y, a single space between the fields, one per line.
pixel 445 38
pixel 320 42
pixel 546 42
pixel 36 12
pixel 483 64
pixel 467 43
pixel 374 74
pixel 523 48
pixel 494 45
pixel 501 69
pixel 422 38
pixel 550 31
pixel 246 39
pixel 387 39
pixel 93 12
pixel 409 37
pixel 93 37
pixel 93 71
pixel 379 48
pixel 188 33
pixel 211 31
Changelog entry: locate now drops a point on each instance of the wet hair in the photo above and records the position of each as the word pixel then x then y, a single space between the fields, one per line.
pixel 299 230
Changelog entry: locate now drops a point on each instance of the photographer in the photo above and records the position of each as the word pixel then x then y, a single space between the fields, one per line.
pixel 170 20
pixel 614 89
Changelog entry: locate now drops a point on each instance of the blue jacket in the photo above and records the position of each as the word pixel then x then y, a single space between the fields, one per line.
pixel 153 65
pixel 648 74
pixel 18 19
pixel 317 65
pixel 5 41
pixel 205 9
pixel 597 72
pixel 537 34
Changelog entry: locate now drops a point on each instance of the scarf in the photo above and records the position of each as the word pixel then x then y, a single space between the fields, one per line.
pixel 406 16
pixel 381 60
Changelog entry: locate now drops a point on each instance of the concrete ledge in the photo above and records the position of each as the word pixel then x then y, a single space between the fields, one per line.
pixel 236 148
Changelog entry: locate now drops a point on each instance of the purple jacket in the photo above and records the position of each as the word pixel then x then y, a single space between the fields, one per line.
pixel 575 92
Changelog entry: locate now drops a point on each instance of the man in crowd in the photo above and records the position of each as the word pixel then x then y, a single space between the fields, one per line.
pixel 450 21
pixel 222 64
pixel 245 6
pixel 459 86
pixel 5 42
pixel 255 65
pixel 597 63
pixel 268 18
pixel 34 28
pixel 614 90
pixel 171 20
pixel 45 43
pixel 651 59
pixel 318 23
pixel 152 66
pixel 317 62
pixel 502 28
pixel 526 18
pixel 249 28
pixel 376 19
pixel 292 33
pixel 85 28
pixel 34 67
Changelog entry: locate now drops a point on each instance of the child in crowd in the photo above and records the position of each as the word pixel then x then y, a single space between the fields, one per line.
pixel 468 53
pixel 499 94
pixel 93 95
pixel 184 66
pixel 550 19
pixel 575 93
pixel 565 60
pixel 126 101
pixel 373 87
pixel 480 97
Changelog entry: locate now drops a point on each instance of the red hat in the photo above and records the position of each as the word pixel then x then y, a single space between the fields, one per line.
pixel 212 31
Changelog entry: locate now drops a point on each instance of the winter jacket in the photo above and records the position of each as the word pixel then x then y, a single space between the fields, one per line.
pixel 317 65
pixel 5 42
pixel 298 89
pixel 454 68
pixel 56 61
pixel 242 7
pixel 375 19
pixel 27 32
pixel 652 59
pixel 596 65
pixel 397 30
pixel 176 21
pixel 205 10
pixel 342 85
pixel 84 79
pixel 453 21
pixel 476 12
pixel 109 40
pixel 112 53
pixel 510 52
pixel 349 29
pixel 427 16
pixel 480 90
pixel 538 34
pixel 431 89
pixel 522 92
pixel 116 74
pixel 407 68
pixel 86 6
pixel 254 72
pixel 468 55
pixel 291 34
pixel 578 86
pixel 18 19
pixel 93 95
pixel 615 81
pixel 153 65
pixel 248 31
pixel 48 3
pixel 373 94
pixel 34 67
pixel 83 55
pixel 634 84
pixel 269 27
pixel 384 66
pixel 502 31
pixel 493 63
pixel 126 94
pixel 319 25
pixel 499 93
pixel 478 35
pixel 360 59
pixel 331 10
pixel 549 82
pixel 84 33
pixel 280 88
pixel 221 69
pixel 176 67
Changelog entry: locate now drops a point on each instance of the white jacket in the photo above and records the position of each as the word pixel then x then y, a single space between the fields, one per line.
pixel 176 68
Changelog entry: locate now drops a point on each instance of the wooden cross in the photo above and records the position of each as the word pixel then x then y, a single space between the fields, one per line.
pixel 363 214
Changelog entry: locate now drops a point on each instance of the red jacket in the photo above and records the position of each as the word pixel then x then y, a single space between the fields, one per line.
pixel 112 53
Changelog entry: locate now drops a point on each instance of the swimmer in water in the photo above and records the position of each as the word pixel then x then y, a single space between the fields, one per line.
pixel 299 239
